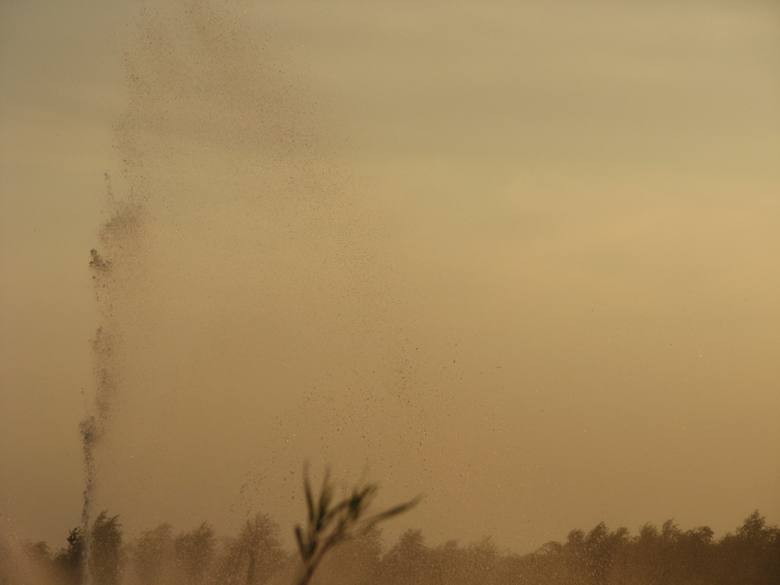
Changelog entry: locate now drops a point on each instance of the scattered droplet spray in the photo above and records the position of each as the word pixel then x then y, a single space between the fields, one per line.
pixel 114 269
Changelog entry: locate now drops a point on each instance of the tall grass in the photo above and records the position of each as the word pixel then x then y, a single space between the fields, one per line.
pixel 331 522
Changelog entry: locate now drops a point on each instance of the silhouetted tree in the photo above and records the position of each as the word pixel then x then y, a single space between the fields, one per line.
pixel 694 556
pixel 406 562
pixel 480 561
pixel 547 566
pixel 656 556
pixel 752 556
pixel 646 555
pixel 153 556
pixel 69 561
pixel 37 552
pixel 443 563
pixel 255 555
pixel 597 558
pixel 105 547
pixel 194 553
pixel 574 554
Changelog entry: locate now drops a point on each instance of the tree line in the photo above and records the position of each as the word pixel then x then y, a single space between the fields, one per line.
pixel 665 555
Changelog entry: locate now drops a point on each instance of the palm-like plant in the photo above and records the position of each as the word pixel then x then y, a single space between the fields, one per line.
pixel 330 523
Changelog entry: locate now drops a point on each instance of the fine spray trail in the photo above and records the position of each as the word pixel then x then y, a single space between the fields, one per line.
pixel 253 309
pixel 114 267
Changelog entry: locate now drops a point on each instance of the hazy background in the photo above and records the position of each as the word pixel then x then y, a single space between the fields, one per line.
pixel 521 257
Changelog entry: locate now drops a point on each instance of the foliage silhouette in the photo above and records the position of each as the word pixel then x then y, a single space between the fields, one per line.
pixel 69 561
pixel 255 555
pixel 153 556
pixel 329 523
pixel 194 553
pixel 657 555
pixel 105 546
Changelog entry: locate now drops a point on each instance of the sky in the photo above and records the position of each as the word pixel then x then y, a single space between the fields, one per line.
pixel 520 258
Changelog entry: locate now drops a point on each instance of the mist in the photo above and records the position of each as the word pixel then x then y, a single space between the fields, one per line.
pixel 523 260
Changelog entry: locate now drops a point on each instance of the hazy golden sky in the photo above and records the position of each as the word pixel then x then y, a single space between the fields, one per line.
pixel 521 257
